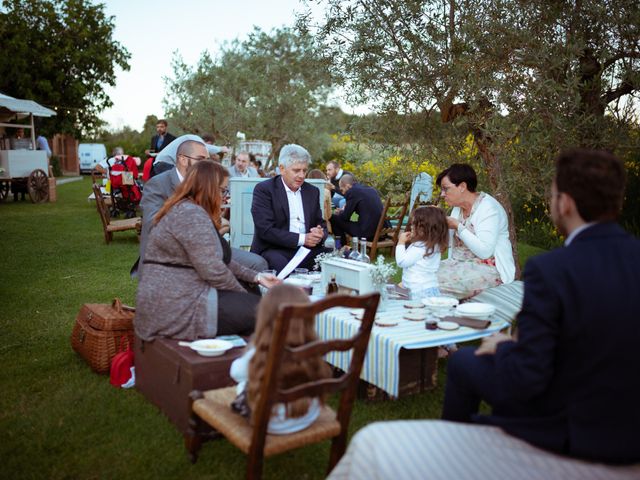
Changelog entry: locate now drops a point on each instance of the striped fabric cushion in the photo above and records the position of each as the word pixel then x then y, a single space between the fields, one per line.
pixel 507 298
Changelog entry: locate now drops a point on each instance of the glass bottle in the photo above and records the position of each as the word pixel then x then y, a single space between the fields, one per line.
pixel 363 251
pixel 332 287
pixel 354 249
pixel 330 242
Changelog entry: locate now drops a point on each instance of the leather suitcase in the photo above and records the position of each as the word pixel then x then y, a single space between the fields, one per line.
pixel 166 373
pixel 102 330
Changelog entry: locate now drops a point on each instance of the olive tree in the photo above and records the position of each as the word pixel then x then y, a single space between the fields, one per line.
pixel 525 78
pixel 271 86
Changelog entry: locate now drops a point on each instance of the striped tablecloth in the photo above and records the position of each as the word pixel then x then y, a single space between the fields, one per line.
pixel 381 364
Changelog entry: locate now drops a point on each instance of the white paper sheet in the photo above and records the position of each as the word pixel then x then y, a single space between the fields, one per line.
pixel 294 262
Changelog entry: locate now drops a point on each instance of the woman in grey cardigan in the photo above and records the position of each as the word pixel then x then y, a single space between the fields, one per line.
pixel 191 287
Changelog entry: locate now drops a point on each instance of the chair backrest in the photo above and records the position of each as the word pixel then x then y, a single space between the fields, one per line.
pixel 347 383
pixel 103 211
pixel 390 223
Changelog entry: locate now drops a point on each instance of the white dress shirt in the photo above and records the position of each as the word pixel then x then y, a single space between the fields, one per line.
pixel 296 213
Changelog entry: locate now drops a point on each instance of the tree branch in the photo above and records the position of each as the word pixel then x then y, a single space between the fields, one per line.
pixel 625 88
pixel 619 56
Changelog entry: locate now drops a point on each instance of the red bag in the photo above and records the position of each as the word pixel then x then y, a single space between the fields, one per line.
pixel 121 367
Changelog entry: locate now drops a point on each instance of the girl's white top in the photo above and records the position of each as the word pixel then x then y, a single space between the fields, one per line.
pixel 419 272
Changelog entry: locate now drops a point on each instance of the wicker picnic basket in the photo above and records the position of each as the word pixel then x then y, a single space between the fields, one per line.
pixel 102 330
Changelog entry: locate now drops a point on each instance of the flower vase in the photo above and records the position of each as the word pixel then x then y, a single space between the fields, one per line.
pixel 383 304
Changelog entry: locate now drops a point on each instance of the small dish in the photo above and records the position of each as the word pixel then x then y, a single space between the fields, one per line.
pixel 385 322
pixel 414 305
pixel 211 347
pixel 440 302
pixel 415 316
pixel 448 325
pixel 479 311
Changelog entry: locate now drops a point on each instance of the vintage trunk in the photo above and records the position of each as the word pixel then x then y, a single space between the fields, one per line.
pixel 166 373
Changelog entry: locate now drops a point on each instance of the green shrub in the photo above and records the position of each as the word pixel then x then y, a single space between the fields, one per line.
pixel 54 161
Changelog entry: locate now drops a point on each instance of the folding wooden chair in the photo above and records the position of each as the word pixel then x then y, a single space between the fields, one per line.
pixel 109 226
pixel 213 407
pixel 389 226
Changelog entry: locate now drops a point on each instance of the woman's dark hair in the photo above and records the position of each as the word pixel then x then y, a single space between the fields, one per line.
pixel 458 173
pixel 429 225
pixel 594 179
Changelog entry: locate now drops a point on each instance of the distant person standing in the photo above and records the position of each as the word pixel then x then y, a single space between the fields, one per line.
pixel 158 142
pixel 161 139
pixel 42 144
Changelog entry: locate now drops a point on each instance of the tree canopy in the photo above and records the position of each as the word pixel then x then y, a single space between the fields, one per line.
pixel 60 53
pixel 271 86
pixel 525 78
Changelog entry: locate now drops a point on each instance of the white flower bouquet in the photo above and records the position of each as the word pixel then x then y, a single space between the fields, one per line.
pixel 382 271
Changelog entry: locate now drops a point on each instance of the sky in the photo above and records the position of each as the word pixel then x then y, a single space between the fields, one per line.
pixel 152 30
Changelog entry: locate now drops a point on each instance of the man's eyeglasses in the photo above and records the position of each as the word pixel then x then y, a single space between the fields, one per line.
pixel 196 159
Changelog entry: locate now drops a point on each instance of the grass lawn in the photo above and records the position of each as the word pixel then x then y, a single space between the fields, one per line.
pixel 60 420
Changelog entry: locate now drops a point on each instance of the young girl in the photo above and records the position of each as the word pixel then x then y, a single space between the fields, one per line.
pixel 248 370
pixel 428 235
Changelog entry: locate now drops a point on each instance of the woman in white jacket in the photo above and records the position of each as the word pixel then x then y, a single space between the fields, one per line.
pixel 480 254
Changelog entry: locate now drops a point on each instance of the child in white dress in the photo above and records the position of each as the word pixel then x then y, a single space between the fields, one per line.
pixel 248 370
pixel 419 249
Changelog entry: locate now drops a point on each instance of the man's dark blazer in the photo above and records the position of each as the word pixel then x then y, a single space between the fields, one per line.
pixel 270 211
pixel 366 202
pixel 576 364
pixel 168 138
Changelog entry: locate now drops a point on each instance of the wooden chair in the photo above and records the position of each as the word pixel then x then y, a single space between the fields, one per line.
pixel 389 225
pixel 213 407
pixel 109 226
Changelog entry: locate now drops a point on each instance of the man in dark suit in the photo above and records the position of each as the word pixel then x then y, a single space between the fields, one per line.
pixel 570 381
pixel 161 139
pixel 286 212
pixel 362 200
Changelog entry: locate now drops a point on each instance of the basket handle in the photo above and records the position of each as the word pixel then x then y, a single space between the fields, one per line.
pixel 119 306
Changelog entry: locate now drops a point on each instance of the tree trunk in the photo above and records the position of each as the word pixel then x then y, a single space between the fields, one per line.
pixel 494 169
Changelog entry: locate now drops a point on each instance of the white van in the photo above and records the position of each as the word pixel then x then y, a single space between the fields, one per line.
pixel 90 154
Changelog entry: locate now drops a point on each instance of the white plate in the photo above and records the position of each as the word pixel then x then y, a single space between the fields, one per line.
pixel 211 347
pixel 448 325
pixel 440 302
pixel 415 316
pixel 480 311
pixel 414 305
pixel 314 277
pixel 385 322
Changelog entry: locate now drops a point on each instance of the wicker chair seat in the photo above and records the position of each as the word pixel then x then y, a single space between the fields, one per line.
pixel 215 409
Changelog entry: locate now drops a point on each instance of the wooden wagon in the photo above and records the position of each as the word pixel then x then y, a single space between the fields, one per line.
pixel 20 163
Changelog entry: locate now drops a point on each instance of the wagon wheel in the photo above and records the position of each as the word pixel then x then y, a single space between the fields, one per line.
pixel 38 186
pixel 5 186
